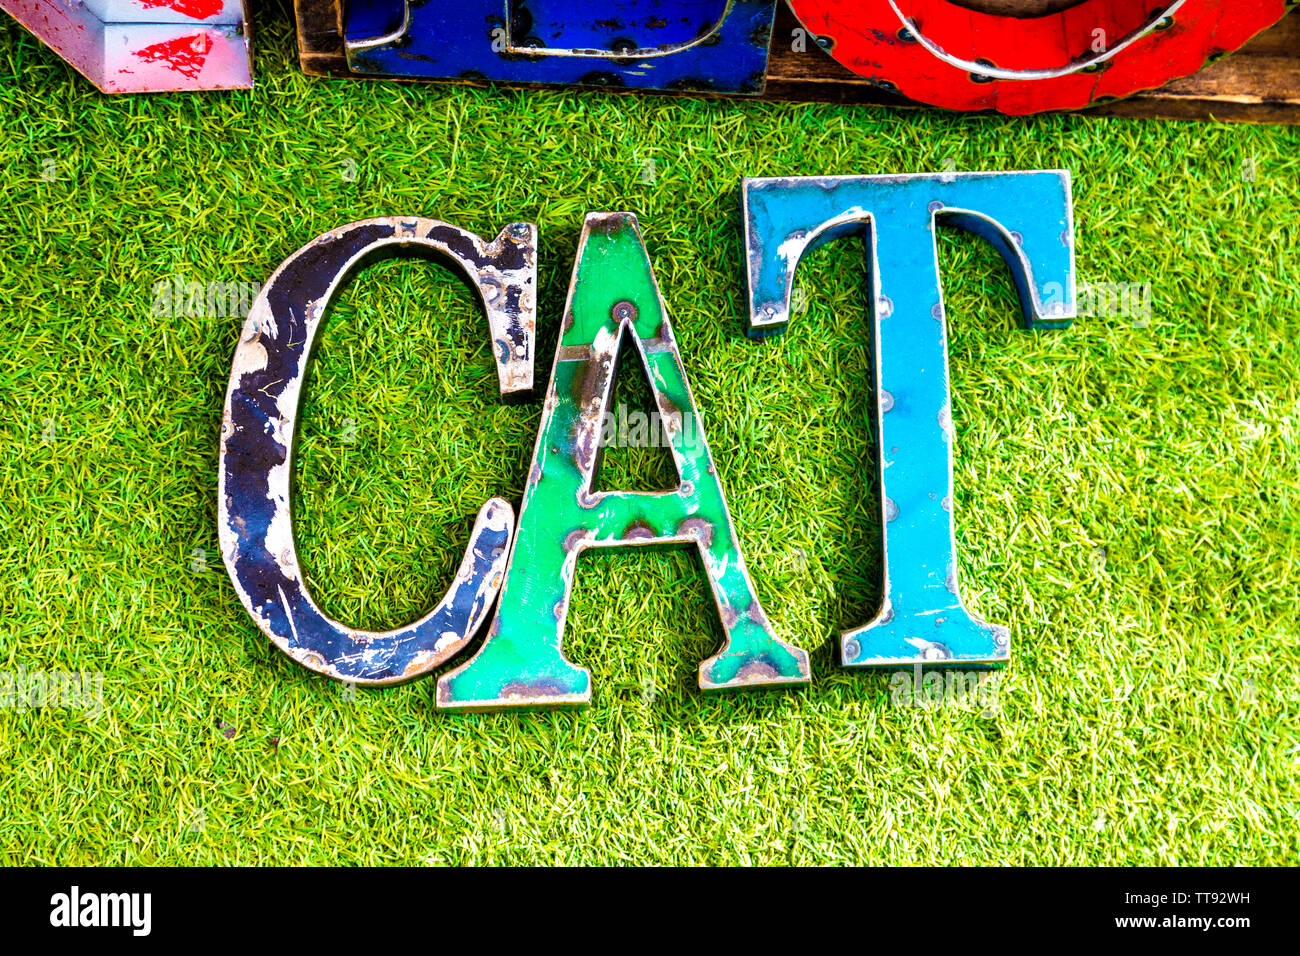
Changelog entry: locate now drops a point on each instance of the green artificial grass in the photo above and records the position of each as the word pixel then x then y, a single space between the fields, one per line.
pixel 1127 492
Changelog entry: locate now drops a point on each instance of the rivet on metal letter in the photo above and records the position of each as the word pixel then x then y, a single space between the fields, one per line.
pixel 1027 218
pixel 521 663
pixel 257 431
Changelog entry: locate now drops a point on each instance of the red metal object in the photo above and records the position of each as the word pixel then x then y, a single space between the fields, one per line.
pixel 945 53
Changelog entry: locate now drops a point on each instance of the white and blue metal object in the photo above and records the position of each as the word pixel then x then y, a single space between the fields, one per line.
pixel 255 523
pixel 696 45
pixel 1027 217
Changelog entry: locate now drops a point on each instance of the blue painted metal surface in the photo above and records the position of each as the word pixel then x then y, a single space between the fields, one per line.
pixel 257 433
pixel 1027 217
pixel 703 45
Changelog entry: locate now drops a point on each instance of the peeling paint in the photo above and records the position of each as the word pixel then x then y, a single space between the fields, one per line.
pixel 255 523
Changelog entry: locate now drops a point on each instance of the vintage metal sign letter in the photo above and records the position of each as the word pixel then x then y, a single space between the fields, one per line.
pixel 1027 218
pixel 521 663
pixel 257 433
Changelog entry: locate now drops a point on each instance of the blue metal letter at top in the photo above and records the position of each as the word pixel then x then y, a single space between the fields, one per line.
pixel 708 45
pixel 1027 218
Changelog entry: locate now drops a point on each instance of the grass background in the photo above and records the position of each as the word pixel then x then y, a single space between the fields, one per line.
pixel 1126 496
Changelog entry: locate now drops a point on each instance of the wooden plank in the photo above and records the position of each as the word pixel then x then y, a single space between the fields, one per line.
pixel 1260 83
pixel 320 36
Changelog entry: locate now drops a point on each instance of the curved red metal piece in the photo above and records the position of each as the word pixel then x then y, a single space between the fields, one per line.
pixel 947 54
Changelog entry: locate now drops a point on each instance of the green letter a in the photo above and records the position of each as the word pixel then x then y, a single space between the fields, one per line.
pixel 522 663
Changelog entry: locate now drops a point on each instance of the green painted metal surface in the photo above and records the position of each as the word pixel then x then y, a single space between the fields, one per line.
pixel 522 662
